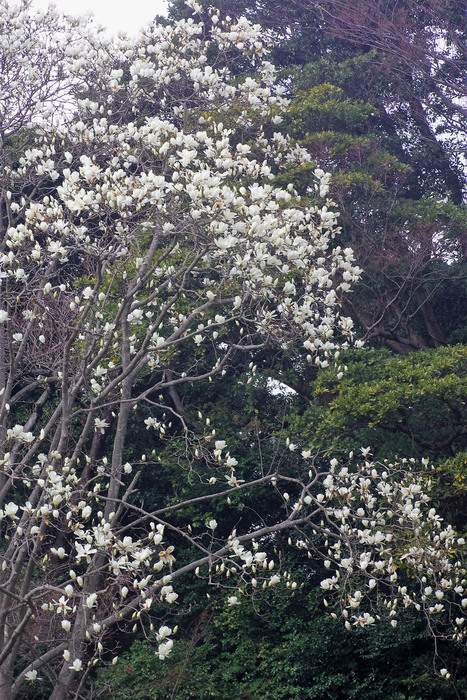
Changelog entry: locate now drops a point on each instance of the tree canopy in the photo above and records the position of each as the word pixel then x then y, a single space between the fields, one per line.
pixel 185 232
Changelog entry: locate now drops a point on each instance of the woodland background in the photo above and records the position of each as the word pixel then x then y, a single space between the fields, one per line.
pixel 380 101
pixel 378 97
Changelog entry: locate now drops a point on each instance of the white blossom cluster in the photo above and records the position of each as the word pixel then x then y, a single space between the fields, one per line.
pixel 44 57
pixel 131 563
pixel 142 217
pixel 253 250
pixel 146 241
pixel 381 529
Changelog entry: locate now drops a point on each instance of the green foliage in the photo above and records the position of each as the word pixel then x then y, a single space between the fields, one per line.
pixel 326 107
pixel 281 648
pixel 350 110
pixel 410 405
pixel 284 646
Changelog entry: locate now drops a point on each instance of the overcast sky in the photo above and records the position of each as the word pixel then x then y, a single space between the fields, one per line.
pixel 115 15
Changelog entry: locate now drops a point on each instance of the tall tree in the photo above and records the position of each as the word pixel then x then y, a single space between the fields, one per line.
pixel 147 245
pixel 131 243
pixel 401 180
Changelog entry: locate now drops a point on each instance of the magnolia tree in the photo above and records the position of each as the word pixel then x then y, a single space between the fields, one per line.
pixel 145 243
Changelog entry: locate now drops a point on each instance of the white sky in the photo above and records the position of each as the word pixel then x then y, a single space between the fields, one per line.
pixel 115 15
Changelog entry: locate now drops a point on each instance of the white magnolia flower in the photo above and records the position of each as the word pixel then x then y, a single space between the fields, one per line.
pixel 164 649
pixel 91 600
pixel 11 509
pixel 166 556
pixel 101 425
pixel 62 606
pixel 233 481
pixel 84 551
pixel 32 675
pixel 163 633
